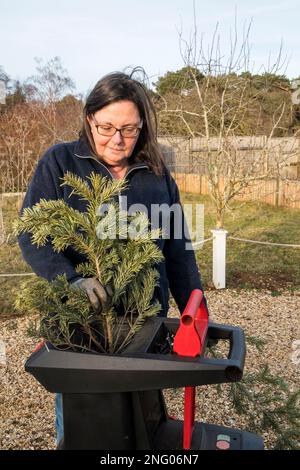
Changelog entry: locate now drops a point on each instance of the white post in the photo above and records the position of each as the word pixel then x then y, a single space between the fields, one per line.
pixel 219 258
pixel 2 353
pixel 2 226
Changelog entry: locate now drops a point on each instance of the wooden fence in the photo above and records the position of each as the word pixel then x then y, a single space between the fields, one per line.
pixel 187 160
pixel 276 192
pixel 189 155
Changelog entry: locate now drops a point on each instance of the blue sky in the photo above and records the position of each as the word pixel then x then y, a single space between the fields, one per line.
pixel 95 37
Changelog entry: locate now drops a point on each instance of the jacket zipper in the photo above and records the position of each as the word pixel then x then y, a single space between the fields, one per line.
pixel 136 168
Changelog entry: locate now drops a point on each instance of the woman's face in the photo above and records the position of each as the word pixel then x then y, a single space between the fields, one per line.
pixel 115 150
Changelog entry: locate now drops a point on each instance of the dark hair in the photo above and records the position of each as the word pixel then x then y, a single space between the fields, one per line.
pixel 118 86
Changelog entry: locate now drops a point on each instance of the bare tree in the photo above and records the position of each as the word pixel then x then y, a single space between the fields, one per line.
pixel 47 90
pixel 18 128
pixel 44 116
pixel 225 97
pixel 50 83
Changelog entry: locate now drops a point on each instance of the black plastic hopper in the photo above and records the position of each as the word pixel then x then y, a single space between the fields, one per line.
pixel 115 401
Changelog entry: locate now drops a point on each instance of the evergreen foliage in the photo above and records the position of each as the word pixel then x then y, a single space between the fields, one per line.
pixel 269 405
pixel 264 399
pixel 193 102
pixel 125 263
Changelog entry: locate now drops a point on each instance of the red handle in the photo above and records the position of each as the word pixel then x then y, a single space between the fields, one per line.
pixel 189 341
pixel 191 333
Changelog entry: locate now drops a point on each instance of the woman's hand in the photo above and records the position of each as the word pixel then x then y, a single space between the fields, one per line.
pixel 99 296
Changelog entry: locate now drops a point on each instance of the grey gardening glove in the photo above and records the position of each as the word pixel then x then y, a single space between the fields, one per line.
pixel 99 296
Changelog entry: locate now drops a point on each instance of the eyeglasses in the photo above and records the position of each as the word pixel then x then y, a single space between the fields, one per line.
pixel 109 131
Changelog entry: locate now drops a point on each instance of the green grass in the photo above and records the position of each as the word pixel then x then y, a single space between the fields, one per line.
pixel 248 265
pixel 11 261
pixel 251 265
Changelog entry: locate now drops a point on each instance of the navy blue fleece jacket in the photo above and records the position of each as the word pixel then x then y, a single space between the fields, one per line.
pixel 178 271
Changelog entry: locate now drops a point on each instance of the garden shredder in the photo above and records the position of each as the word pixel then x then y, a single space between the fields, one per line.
pixel 115 401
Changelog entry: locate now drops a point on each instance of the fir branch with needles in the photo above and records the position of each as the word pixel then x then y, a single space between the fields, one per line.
pixel 265 400
pixel 127 265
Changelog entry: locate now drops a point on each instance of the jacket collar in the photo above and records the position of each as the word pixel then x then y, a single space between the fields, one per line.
pixel 82 150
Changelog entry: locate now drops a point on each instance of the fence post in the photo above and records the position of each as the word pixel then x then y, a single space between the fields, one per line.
pixel 219 258
pixel 2 226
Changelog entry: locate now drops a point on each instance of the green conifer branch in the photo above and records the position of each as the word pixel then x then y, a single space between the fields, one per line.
pixel 267 403
pixel 66 317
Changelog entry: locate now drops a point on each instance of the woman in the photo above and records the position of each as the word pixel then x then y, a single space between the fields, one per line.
pixel 117 140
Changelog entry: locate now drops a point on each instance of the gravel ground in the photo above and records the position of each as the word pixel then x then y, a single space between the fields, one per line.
pixel 27 410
